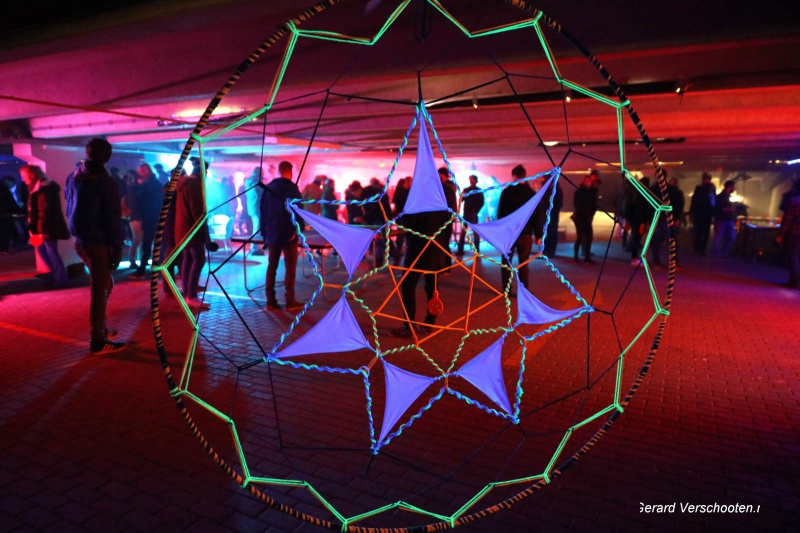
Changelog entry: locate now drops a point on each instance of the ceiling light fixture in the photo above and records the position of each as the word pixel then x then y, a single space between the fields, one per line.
pixel 681 86
pixel 474 101
pixel 195 114
pixel 567 95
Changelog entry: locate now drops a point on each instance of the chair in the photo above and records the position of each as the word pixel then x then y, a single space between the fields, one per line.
pixel 220 228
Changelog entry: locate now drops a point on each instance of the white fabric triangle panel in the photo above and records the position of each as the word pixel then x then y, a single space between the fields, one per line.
pixel 350 242
pixel 426 193
pixel 485 371
pixel 531 310
pixel 503 232
pixel 320 338
pixel 402 389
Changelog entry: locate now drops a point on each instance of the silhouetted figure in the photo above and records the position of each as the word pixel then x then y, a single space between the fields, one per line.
pixel 422 256
pixel 701 211
pixel 252 197
pixel 551 237
pixel 472 202
pixel 678 202
pixel 168 233
pixel 313 191
pixel 512 198
pixel 789 237
pixel 724 221
pixel 376 213
pixel 451 195
pixel 189 209
pixel 161 175
pixel 660 232
pixel 329 210
pixel 585 206
pixel 539 215
pixel 399 200
pixel 149 194
pixel 355 212
pixel 9 208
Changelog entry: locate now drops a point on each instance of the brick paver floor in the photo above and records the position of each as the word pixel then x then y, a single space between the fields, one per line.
pixel 95 443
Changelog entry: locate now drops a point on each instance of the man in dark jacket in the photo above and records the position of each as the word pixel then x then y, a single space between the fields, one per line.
pixel 150 196
pixel 584 207
pixel 422 256
pixel 251 203
pixel 551 237
pixel 399 200
pixel 95 221
pixel 539 214
pixel 512 198
pixel 701 211
pixel 376 213
pixel 45 220
pixel 473 201
pixel 678 202
pixel 280 234
pixel 451 195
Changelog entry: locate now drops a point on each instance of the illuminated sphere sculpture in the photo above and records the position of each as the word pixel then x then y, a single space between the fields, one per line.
pixel 321 414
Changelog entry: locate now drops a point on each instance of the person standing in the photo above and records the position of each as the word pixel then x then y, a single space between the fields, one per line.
pixel 95 221
pixel 473 201
pixel 788 196
pixel 189 210
pixel 678 203
pixel 551 237
pixel 422 256
pixel 724 221
pixel 399 199
pixel 161 175
pixel 638 215
pixel 280 235
pixel 133 195
pixel 451 195
pixel 355 211
pixel 21 193
pixel 539 215
pixel 512 198
pixel 376 213
pixel 701 211
pixel 114 173
pixel 379 210
pixel 584 208
pixel 252 196
pixel 150 196
pixel 9 208
pixel 789 237
pixel 313 192
pixel 661 230
pixel 329 210
pixel 45 220
pixel 400 196
pixel 168 233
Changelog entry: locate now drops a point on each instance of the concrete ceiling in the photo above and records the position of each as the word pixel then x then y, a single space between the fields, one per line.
pixel 136 71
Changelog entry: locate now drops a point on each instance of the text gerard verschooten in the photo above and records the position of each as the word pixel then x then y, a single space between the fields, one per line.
pixel 698 508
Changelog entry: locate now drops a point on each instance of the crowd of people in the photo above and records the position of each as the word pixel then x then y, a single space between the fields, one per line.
pixel 107 212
